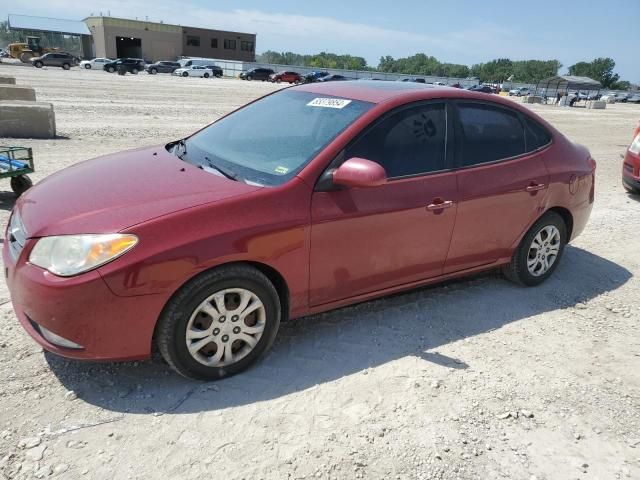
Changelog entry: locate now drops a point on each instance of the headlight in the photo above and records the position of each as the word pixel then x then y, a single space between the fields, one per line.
pixel 635 146
pixel 69 255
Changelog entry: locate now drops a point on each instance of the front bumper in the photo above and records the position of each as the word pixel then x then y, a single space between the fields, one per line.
pixel 631 182
pixel 81 309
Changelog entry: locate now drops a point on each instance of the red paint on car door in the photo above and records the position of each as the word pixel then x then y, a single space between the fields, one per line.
pixel 367 239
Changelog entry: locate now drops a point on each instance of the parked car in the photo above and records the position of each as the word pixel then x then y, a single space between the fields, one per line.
pixel 622 97
pixel 202 260
pixel 194 71
pixel 314 76
pixel 161 67
pixel 481 88
pixel 289 77
pixel 635 98
pixel 415 80
pixel 440 84
pixel 216 70
pixel 95 63
pixel 631 165
pixel 332 78
pixel 257 74
pixel 519 92
pixel 55 59
pixel 131 65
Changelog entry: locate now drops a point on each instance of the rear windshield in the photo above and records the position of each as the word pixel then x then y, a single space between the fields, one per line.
pixel 271 140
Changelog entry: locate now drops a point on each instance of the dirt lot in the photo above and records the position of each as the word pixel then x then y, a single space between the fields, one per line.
pixel 476 379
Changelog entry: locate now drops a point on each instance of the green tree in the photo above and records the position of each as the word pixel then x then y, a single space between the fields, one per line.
pixel 600 69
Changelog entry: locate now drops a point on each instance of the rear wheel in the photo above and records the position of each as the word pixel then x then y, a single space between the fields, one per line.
pixel 219 323
pixel 539 252
pixel 20 184
pixel 134 71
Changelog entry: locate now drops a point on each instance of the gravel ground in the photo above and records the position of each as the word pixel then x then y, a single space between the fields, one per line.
pixel 474 379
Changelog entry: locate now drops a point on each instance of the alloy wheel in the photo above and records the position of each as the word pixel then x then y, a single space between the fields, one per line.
pixel 225 327
pixel 544 250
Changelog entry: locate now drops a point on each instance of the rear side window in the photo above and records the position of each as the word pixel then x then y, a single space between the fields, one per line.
pixel 537 136
pixel 488 134
pixel 410 142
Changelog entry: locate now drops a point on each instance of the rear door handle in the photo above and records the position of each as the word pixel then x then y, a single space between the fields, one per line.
pixel 534 187
pixel 439 205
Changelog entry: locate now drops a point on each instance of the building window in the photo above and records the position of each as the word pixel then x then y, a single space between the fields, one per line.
pixel 246 46
pixel 229 44
pixel 193 41
pixel 214 43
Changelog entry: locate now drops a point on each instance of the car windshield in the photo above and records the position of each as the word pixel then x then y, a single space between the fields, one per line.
pixel 269 141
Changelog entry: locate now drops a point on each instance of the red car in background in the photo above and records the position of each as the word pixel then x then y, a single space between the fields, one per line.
pixel 288 77
pixel 631 165
pixel 368 188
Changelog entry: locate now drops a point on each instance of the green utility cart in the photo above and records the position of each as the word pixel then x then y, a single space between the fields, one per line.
pixel 16 163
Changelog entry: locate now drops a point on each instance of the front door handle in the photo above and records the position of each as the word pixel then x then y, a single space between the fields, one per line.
pixel 439 204
pixel 534 187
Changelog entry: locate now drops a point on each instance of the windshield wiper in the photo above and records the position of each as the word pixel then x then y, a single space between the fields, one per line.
pixel 183 144
pixel 223 171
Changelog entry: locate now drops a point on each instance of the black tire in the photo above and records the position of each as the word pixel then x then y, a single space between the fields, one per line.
pixel 134 71
pixel 185 74
pixel 66 66
pixel 631 190
pixel 279 80
pixel 249 78
pixel 206 75
pixel 153 71
pixel 111 69
pixel 517 270
pixel 218 75
pixel 170 332
pixel 38 64
pixel 87 66
pixel 20 184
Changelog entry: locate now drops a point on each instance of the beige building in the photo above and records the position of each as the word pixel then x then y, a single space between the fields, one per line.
pixel 119 37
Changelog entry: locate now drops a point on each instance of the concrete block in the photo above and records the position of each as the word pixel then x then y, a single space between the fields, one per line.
pixel 14 92
pixel 19 119
pixel 7 81
pixel 597 104
pixel 531 99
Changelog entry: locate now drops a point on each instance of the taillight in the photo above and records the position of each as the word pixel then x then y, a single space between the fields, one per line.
pixel 592 163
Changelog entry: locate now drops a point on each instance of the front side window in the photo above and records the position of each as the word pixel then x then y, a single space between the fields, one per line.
pixel 229 44
pixel 254 145
pixel 409 142
pixel 488 134
pixel 193 41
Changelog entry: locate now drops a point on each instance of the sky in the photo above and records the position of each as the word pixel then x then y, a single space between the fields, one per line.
pixel 461 31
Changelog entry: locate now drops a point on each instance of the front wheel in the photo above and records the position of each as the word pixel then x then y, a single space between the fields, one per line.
pixel 206 75
pixel 153 71
pixel 219 323
pixel 249 78
pixel 111 69
pixel 539 252
pixel 38 64
pixel 134 71
pixel 87 66
pixel 21 184
pixel 185 74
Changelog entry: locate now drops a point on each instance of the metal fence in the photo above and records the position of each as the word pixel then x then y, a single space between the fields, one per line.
pixel 232 68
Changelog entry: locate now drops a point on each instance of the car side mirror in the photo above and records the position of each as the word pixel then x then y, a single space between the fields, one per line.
pixel 359 172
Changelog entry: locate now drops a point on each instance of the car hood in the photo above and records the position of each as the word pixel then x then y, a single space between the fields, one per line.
pixel 111 193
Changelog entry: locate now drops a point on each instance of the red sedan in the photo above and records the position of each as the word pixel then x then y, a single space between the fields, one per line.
pixel 631 165
pixel 371 188
pixel 288 77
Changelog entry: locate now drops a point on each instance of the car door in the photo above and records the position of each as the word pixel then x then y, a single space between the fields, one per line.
pixel 369 239
pixel 502 183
